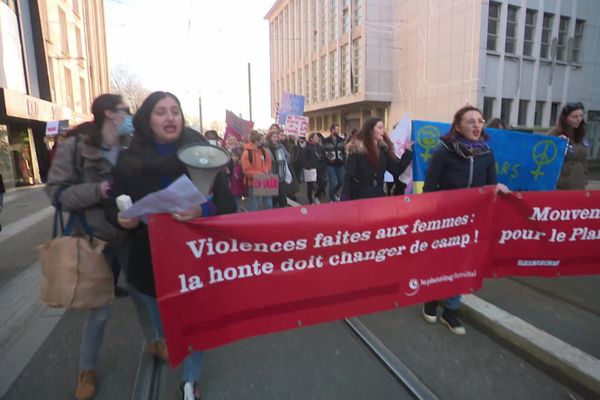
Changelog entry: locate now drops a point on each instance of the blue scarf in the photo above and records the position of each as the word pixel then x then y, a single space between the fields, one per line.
pixel 165 150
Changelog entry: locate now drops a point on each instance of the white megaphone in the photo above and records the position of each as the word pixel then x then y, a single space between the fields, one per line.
pixel 203 162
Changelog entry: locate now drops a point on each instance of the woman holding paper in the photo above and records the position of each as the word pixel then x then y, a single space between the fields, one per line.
pixel 315 168
pixel 150 164
pixel 80 181
pixel 370 154
pixel 462 160
pixel 571 126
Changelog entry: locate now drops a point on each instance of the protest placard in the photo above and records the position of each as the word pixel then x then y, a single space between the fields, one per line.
pixel 266 185
pixel 296 125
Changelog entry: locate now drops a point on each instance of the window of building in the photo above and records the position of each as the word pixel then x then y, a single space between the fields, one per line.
pixel 563 29
pixel 290 37
pixel 293 83
pixel 577 41
pixel 333 75
pixel 510 45
pixel 313 24
pixel 530 19
pixel 493 24
pixel 306 90
pixel 323 22
pixel 83 95
pixel 323 80
pixel 64 37
pixel 76 7
pixel 345 16
pixel 546 36
pixel 488 108
pixel 522 117
pixel 69 89
pixel 314 81
pixel 357 12
pixel 539 113
pixel 356 65
pixel 333 14
pixel 505 111
pixel 79 46
pixel 554 113
pixel 345 70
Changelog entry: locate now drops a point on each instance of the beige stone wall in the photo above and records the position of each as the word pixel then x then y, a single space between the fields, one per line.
pixel 436 57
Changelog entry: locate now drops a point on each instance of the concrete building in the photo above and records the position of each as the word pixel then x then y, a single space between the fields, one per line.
pixel 520 60
pixel 53 63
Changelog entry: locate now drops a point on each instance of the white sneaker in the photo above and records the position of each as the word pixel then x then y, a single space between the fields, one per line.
pixel 189 392
pixel 317 201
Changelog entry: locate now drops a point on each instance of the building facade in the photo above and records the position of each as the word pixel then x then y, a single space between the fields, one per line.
pixel 520 60
pixel 53 64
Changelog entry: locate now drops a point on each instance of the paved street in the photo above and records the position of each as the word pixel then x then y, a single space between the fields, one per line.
pixel 40 347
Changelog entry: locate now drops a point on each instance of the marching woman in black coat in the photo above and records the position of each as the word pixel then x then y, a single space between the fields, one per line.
pixel 462 160
pixel 150 164
pixel 369 155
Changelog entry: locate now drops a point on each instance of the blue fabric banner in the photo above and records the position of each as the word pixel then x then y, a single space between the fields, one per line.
pixel 524 161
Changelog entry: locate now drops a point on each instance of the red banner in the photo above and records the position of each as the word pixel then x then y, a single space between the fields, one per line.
pixel 546 234
pixel 226 278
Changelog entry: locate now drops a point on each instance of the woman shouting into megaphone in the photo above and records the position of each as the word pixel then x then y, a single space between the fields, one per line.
pixel 151 164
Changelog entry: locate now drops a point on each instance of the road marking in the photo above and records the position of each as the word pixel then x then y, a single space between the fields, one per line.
pixel 23 224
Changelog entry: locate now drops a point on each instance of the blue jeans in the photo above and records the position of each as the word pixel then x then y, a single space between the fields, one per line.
pixel 452 303
pixel 258 202
pixel 149 316
pixel 336 180
pixel 93 328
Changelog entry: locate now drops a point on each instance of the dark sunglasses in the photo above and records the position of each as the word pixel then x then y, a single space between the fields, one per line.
pixel 123 109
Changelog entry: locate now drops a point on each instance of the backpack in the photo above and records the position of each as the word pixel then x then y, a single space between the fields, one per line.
pixel 251 155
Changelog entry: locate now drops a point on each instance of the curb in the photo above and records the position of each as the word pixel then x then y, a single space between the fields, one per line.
pixel 552 352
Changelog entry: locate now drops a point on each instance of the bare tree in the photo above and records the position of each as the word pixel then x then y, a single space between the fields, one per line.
pixel 128 85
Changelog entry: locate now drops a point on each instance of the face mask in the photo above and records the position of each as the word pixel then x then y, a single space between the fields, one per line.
pixel 126 127
pixel 213 142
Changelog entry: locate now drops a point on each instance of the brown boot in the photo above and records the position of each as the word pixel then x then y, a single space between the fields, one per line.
pixel 158 349
pixel 86 388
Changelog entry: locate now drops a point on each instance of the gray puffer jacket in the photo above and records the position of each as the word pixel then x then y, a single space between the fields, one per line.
pixel 80 172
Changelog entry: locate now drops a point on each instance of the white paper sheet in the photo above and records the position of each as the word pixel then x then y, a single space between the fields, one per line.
pixel 179 196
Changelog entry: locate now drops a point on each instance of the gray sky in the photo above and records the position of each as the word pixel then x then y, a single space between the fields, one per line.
pixel 196 47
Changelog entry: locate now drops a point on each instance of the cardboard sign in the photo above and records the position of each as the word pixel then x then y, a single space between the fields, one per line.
pixel 310 175
pixel 266 185
pixel 296 125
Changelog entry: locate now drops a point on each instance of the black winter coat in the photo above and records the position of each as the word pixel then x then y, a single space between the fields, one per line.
pixel 362 180
pixel 138 173
pixel 313 157
pixel 451 168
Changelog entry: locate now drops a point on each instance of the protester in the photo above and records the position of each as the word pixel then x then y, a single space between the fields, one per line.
pixel 571 126
pixel 370 154
pixel 213 137
pixel 149 165
pixel 313 158
pixel 238 189
pixel 496 123
pixel 231 142
pixel 256 161
pixel 462 160
pixel 335 152
pixel 281 168
pixel 79 181
pixel 295 151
